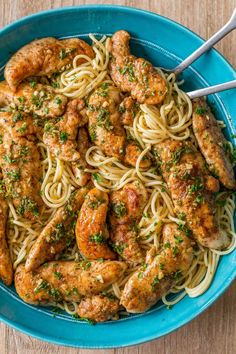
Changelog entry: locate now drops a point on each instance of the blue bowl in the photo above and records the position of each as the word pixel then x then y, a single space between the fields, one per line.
pixel 164 43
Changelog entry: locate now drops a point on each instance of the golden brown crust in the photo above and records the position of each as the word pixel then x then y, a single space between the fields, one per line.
pixel 184 170
pixel 147 285
pixel 6 269
pixel 40 100
pixel 43 57
pixel 90 229
pixel 66 280
pixel 53 239
pixel 127 206
pixel 98 308
pixel 135 75
pixel 60 134
pixel 104 121
pixel 22 171
pixel 212 143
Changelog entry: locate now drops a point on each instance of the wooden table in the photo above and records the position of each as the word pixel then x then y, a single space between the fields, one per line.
pixel 215 330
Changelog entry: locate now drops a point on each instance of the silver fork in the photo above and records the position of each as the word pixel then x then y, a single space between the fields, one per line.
pixel 212 89
pixel 227 28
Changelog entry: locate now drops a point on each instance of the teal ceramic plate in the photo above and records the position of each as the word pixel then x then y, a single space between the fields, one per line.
pixel 164 43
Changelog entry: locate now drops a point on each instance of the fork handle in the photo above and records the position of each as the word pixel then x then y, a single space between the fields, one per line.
pixel 212 89
pixel 227 28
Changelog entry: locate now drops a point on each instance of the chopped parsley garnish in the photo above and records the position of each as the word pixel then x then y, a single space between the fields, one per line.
pixel 42 286
pixel 23 128
pixel 9 159
pixel 128 70
pixel 21 99
pixel 119 248
pixel 199 199
pixel 178 239
pixel 97 238
pixel 95 203
pixel 58 100
pixel 119 209
pixel 175 251
pixel 167 244
pixel 58 233
pixel 162 266
pixel 176 155
pixel 24 150
pixel 62 54
pixel 155 282
pixel 1 138
pixel 177 275
pixel 97 177
pixel 92 132
pixel 46 110
pixel 103 119
pixel 58 275
pixel 76 317
pixel 32 83
pixel 185 229
pixel 14 175
pixel 75 291
pixel 36 101
pixel 27 204
pixel 17 116
pixel 85 265
pixel 63 137
pixel 197 186
pixel 200 110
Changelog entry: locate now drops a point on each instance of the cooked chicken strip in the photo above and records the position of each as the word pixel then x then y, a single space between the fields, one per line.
pixel 56 281
pixel 135 75
pixel 104 120
pixel 128 109
pixel 6 269
pixel 22 172
pixel 79 166
pixel 105 126
pixel 212 143
pixel 91 232
pixel 60 134
pixel 41 100
pixel 147 285
pixel 98 308
pixel 60 230
pixel 19 124
pixel 188 180
pixel 43 57
pixel 127 206
pixel 132 153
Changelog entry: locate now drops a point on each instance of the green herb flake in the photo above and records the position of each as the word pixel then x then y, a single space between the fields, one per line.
pixel 167 244
pixel 58 275
pixel 119 209
pixel 200 110
pixel 97 177
pixel 21 99
pixel 58 100
pixel 185 229
pixel 154 283
pixel 97 238
pixel 17 116
pixel 14 175
pixel 178 239
pixel 62 54
pixel 63 137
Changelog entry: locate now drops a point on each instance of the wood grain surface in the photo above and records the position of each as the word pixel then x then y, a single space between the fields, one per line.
pixel 215 330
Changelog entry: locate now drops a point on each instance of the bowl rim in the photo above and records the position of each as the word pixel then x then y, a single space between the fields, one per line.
pixel 53 340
